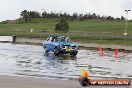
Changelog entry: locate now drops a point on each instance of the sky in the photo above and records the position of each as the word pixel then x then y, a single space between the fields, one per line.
pixel 11 9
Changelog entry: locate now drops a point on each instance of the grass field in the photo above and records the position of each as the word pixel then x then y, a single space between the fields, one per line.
pixel 97 31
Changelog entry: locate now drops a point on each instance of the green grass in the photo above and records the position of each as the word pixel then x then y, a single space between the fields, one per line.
pixel 87 25
pixel 96 31
pixel 28 26
pixel 98 26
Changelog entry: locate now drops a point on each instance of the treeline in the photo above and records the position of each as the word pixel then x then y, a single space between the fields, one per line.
pixel 34 14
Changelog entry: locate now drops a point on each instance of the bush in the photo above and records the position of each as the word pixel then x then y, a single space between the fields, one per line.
pixel 62 26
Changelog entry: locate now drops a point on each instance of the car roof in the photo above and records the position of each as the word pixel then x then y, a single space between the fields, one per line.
pixel 57 36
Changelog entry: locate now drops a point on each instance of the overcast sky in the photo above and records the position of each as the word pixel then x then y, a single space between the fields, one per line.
pixel 11 9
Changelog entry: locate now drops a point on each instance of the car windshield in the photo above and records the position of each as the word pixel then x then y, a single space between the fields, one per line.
pixel 63 39
pixel 59 38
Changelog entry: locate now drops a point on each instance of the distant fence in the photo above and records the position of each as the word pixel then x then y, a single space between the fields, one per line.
pixel 76 35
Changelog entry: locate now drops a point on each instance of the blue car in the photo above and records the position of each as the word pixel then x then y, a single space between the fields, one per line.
pixel 60 45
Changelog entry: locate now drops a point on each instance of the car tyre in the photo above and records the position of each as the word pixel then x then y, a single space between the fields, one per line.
pixel 73 54
pixel 45 51
pixel 56 52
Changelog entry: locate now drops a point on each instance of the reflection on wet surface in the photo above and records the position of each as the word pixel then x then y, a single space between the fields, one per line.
pixel 29 60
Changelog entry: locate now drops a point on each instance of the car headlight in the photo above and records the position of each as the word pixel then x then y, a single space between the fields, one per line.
pixel 63 46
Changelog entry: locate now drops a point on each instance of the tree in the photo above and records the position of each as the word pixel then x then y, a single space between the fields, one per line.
pixel 81 17
pixel 89 16
pixel 94 16
pixel 117 18
pixel 25 15
pixel 109 18
pixel 122 18
pixel 74 16
pixel 62 26
pixel 34 14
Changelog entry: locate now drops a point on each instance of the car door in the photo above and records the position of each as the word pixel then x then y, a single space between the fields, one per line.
pixel 50 44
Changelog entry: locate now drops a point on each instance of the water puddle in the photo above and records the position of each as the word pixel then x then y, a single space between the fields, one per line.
pixel 29 60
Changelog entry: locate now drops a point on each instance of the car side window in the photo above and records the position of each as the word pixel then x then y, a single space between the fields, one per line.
pixel 63 39
pixel 56 39
pixel 50 39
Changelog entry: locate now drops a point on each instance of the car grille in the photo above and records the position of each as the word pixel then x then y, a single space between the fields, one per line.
pixel 67 48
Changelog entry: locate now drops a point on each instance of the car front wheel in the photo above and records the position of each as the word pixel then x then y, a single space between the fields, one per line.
pixel 56 52
pixel 45 51
pixel 73 54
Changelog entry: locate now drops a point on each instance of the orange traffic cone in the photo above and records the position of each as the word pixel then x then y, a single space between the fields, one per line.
pixel 101 52
pixel 86 74
pixel 116 53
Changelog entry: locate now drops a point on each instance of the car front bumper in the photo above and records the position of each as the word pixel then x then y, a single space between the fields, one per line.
pixel 66 51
